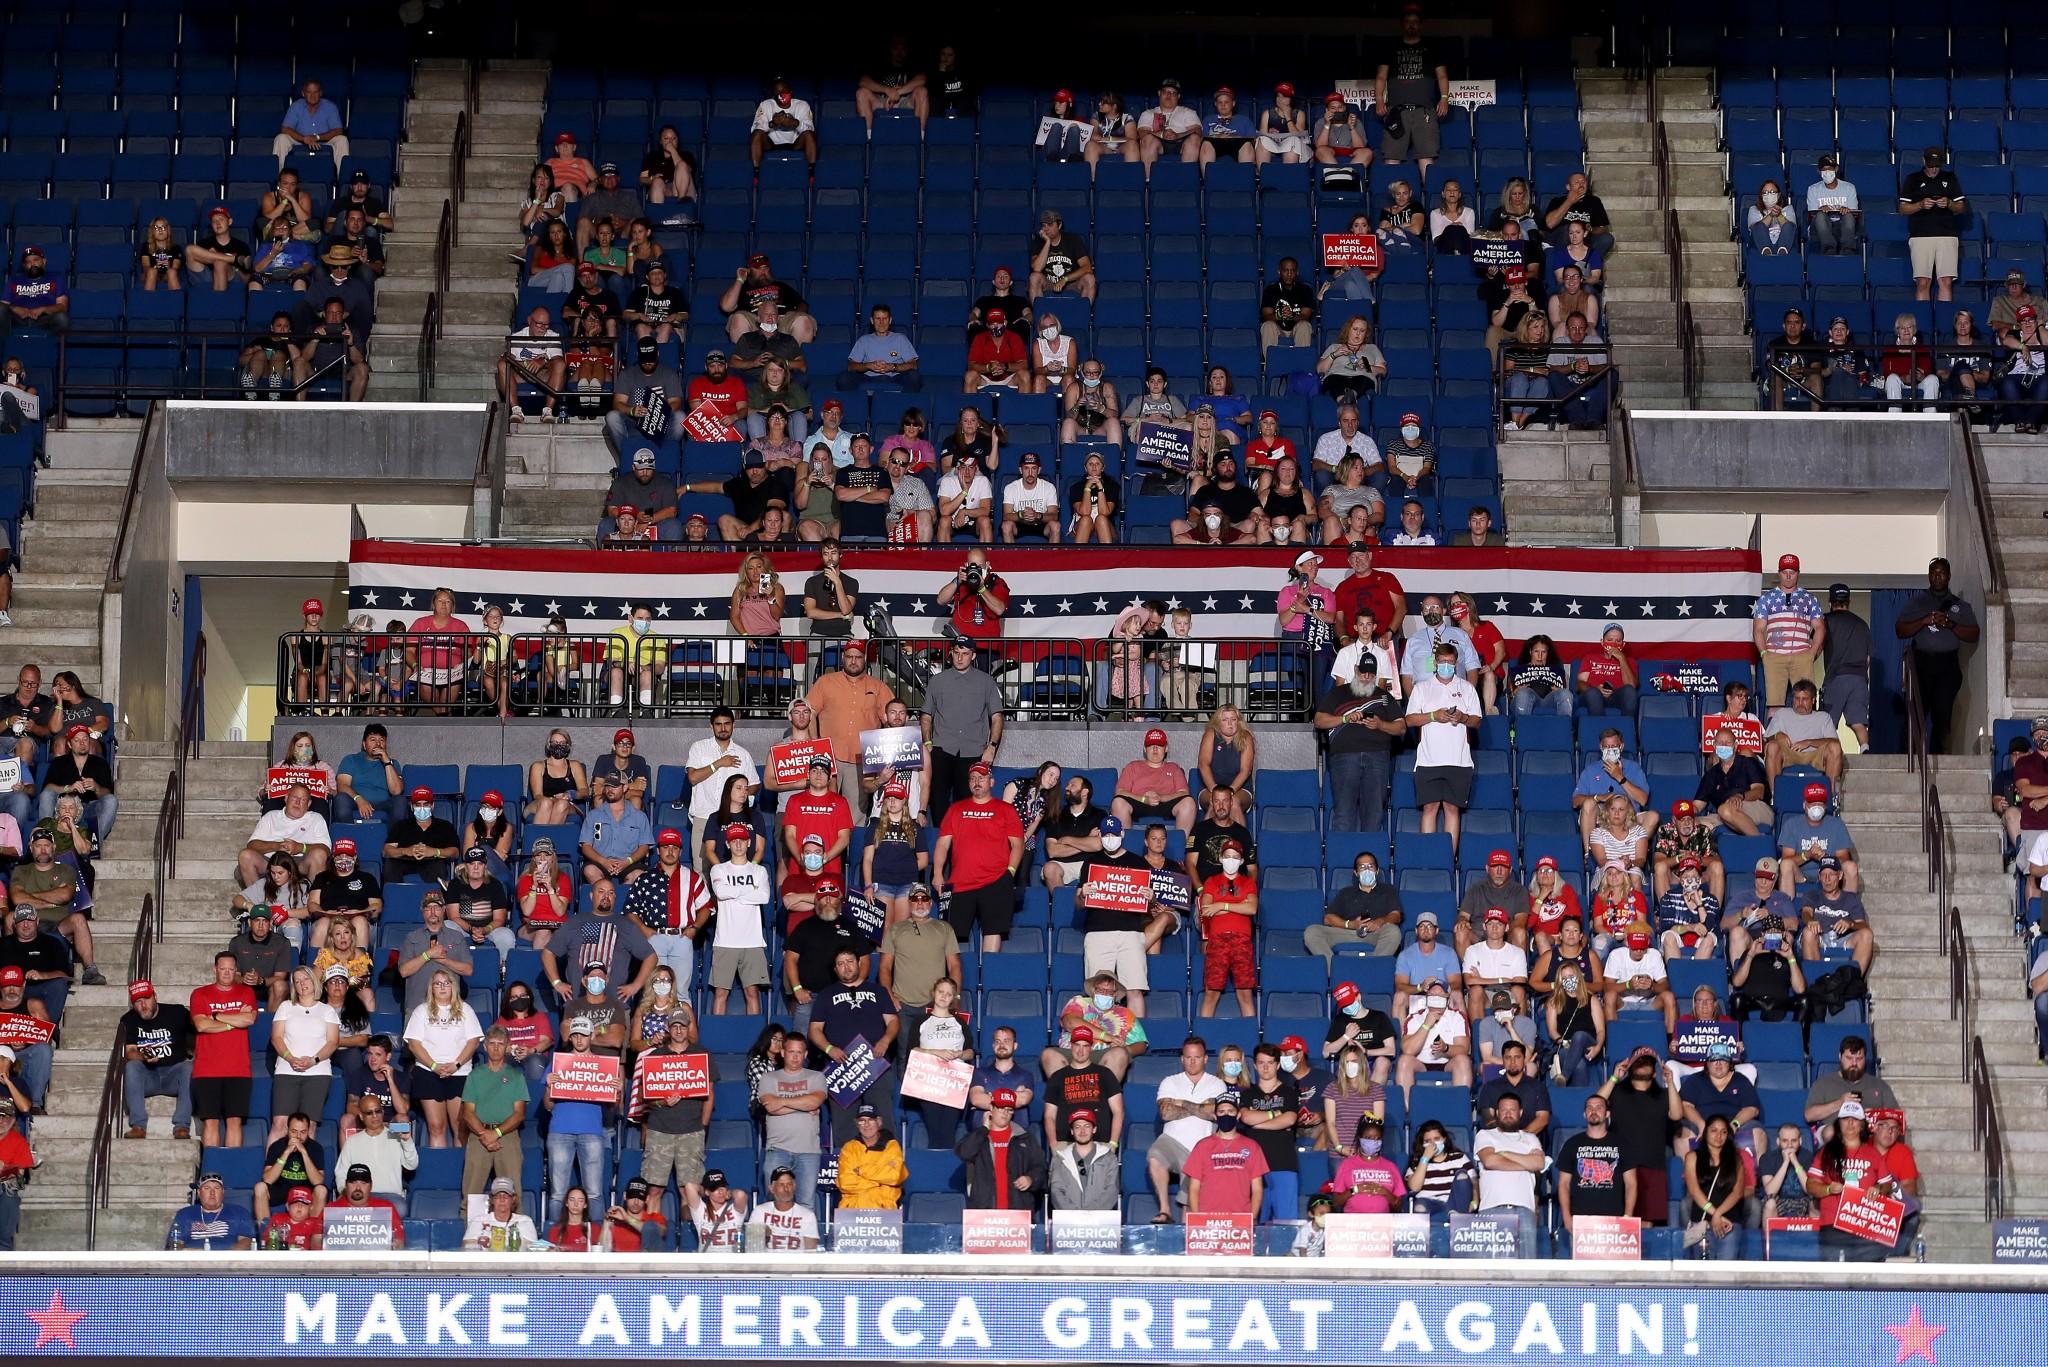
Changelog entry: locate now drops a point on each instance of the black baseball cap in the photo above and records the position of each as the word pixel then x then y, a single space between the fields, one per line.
pixel 359 1172
pixel 714 1178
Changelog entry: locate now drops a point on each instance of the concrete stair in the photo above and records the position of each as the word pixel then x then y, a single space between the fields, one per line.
pixel 555 480
pixel 1922 1047
pixel 1554 488
pixel 483 281
pixel 2019 519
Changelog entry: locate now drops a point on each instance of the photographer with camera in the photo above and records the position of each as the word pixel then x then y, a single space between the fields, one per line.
pixel 1937 623
pixel 978 598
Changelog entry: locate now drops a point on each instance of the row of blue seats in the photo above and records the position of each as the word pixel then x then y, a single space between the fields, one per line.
pixel 1913 97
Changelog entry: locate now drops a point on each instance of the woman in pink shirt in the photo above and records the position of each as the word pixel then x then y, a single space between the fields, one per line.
pixel 1368 1183
pixel 436 662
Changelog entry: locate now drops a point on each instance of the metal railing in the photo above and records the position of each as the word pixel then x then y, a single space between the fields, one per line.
pixel 430 336
pixel 569 394
pixel 149 933
pixel 1986 1132
pixel 190 364
pixel 1779 379
pixel 128 501
pixel 1962 1007
pixel 1934 832
pixel 1980 494
pixel 540 674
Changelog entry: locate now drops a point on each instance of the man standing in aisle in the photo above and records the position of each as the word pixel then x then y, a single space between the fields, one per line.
pixel 963 723
pixel 1937 623
pixel 1788 631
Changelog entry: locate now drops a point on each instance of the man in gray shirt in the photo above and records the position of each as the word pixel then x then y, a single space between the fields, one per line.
pixel 1845 680
pixel 598 935
pixel 607 201
pixel 1937 623
pixel 433 943
pixel 791 1099
pixel 963 724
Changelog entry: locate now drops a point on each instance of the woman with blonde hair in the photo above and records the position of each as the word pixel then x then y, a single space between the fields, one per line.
pixel 1619 838
pixel 161 256
pixel 1353 1094
pixel 757 599
pixel 1526 361
pixel 1576 1022
pixel 442 1035
pixel 556 786
pixel 1350 491
pixel 1228 757
pixel 493 657
pixel 1617 904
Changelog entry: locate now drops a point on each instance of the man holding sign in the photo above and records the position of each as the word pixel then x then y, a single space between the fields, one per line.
pixel 1115 897
pixel 849 1012
pixel 672 1094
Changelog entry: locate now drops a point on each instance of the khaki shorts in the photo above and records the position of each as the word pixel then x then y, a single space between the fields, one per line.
pixel 1933 257
pixel 738 967
pixel 1170 1154
pixel 1760 814
pixel 1121 952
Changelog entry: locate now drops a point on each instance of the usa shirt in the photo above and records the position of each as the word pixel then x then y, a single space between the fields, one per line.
pixel 1788 620
pixel 741 890
pixel 211 1231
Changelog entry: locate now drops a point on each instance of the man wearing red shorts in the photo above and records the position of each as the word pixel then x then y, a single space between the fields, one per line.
pixel 1230 901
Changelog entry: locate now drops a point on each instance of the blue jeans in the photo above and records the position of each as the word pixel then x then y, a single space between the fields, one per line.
pixel 1358 789
pixel 1558 702
pixel 1283 1198
pixel 17 804
pixel 1571 1055
pixel 1142 703
pixel 2023 399
pixel 33 1064
pixel 1835 235
pixel 1461 1201
pixel 678 953
pixel 1724 1247
pixel 1525 386
pixel 804 1165
pixel 592 1153
pixel 100 811
pixel 139 1082
pixel 1621 702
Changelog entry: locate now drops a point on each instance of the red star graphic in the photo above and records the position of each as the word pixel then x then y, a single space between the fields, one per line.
pixel 1916 1337
pixel 55 1323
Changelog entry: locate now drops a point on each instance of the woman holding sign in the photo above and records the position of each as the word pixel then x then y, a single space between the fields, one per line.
pixel 942 1034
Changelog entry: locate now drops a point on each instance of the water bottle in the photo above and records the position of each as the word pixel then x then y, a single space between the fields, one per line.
pixel 1919 1249
pixel 512 1238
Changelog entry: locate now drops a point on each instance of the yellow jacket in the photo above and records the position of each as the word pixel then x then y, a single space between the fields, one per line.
pixel 871 1179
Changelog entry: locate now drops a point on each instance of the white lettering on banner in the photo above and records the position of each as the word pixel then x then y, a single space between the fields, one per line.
pixel 965 1326
pixel 1469 1327
pixel 741 1321
pixel 603 1320
pixel 1538 1331
pixel 1633 1327
pixel 1191 1325
pixel 800 1316
pixel 381 1322
pixel 508 1321
pixel 1130 1323
pixel 885 1322
pixel 316 1319
pixel 1058 1323
pixel 666 1317
pixel 1254 1328
pixel 442 1317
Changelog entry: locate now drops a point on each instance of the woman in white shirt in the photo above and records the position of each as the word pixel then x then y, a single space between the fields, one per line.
pixel 442 1036
pixel 1452 222
pixel 972 502
pixel 304 1033
pixel 943 1036
pixel 499 1227
pixel 1052 355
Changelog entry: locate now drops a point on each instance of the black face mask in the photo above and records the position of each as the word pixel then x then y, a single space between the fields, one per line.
pixel 1226 1123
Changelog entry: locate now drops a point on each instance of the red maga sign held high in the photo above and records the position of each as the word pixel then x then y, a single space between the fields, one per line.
pixel 584 1077
pixel 682 1075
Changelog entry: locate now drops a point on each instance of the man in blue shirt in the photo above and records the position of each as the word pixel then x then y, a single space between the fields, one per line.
pixel 311 123
pixel 210 1224
pixel 1609 774
pixel 1423 960
pixel 883 357
pixel 616 835
pixel 1803 843
pixel 1420 651
pixel 36 295
pixel 854 1010
pixel 370 781
pixel 284 260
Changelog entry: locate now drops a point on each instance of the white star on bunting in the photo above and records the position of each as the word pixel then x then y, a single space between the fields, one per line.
pixel 1030 608
pixel 1173 605
pixel 1649 609
pixel 1245 603
pixel 1102 605
pixel 1720 609
pixel 883 604
pixel 697 609
pixel 1209 604
pixel 590 609
pixel 1500 605
pixel 553 607
pixel 1572 607
pixel 1066 605
pixel 661 609
pixel 518 607
pixel 370 599
pixel 1536 606
pixel 1609 609
pixel 405 600
pixel 476 605
pixel 1685 609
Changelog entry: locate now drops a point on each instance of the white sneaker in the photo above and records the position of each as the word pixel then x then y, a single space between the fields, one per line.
pixel 6 618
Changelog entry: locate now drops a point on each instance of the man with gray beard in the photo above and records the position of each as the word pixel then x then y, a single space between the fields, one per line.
pixel 1361 718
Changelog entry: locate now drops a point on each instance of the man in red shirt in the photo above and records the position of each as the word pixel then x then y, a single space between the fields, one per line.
pixel 981 845
pixel 1005 1165
pixel 295 1225
pixel 1225 1173
pixel 996 356
pixel 1230 900
pixel 717 382
pixel 631 1227
pixel 222 1013
pixel 978 598
pixel 817 827
pixel 1366 587
pixel 355 1192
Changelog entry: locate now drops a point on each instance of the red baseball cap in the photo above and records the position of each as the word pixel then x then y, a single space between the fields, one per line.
pixel 1294 1044
pixel 996 316
pixel 77 729
pixel 344 845
pixel 1344 993
pixel 1155 737
pixel 1500 857
pixel 12 976
pixel 1334 97
pixel 493 798
pixel 1688 861
pixel 1639 939
pixel 423 793
pixel 830 887
pixel 624 733
pixel 1788 561
pixel 1230 845
pixel 563 137
pixel 1683 807
pixel 1082 1113
pixel 140 988
pixel 833 403
pixel 1226 90
pixel 299 1194
pixel 1546 862
pixel 1499 914
pixel 980 767
pixel 738 830
pixel 1515 275
pixel 896 788
pixel 1064 94
pixel 1285 88
pixel 1816 792
pixel 1082 1034
pixel 1003 1097
pixel 311 606
pixel 669 836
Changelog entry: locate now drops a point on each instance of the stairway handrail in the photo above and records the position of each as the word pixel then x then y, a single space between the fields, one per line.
pixel 1986 1132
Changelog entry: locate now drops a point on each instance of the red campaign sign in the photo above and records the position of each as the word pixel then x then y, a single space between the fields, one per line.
pixel 1351 249
pixel 1607 1239
pixel 584 1077
pixel 1869 1216
pixel 1749 733
pixel 281 777
pixel 995 1231
pixel 19 1030
pixel 707 422
pixel 683 1075
pixel 1115 889
pixel 1804 1224
pixel 790 762
pixel 1218 1234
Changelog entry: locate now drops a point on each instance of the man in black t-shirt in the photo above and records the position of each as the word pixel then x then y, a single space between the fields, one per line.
pixel 155 1039
pixel 1206 841
pixel 1365 911
pixel 478 903
pixel 831 597
pixel 1795 364
pixel 1059 259
pixel 1016 309
pixel 768 339
pixel 1371 1029
pixel 420 845
pixel 809 950
pixel 1578 204
pixel 1237 501
pixel 345 890
pixel 591 297
pixel 1932 199
pixel 1083 1082
pixel 218 252
pixel 1361 719
pixel 1591 1177
pixel 651 492
pixel 654 309
pixel 752 285
pixel 863 491
pixel 1288 306
pixel 1411 91
pixel 294 1159
pixel 1072 835
pixel 751 491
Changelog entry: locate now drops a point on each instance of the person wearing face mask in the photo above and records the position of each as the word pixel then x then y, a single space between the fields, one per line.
pixel 1607 678
pixel 817 829
pixel 1312 1085
pixel 1733 790
pixel 1769 225
pixel 1118 1031
pixel 1446 709
pixel 346 891
pixel 1612 774
pixel 1434 1038
pixel 1227 910
pixel 1366 911
pixel 423 845
pixel 1419 654
pixel 1685 834
pixel 1114 939
pixel 1367 1181
pixel 1687 914
pixel 1359 1028
pixel 1424 961
pixel 1575 1019
pixel 1834 214
pixel 998 358
pixel 1804 841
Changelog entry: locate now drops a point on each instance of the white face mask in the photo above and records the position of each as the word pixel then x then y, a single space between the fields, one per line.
pixel 1411 431
pixel 1103 1001
pixel 1113 843
pixel 1281 531
pixel 1368 878
pixel 1351 1069
pixel 1437 1001
pixel 641 626
pixel 1289 1062
pixel 423 814
pixel 1610 753
pixel 813 862
pixel 1828 176
pixel 1212 521
pixel 487 815
pixel 769 327
pixel 1816 810
pixel 662 988
pixel 1770 199
pixel 1049 331
pixel 1232 865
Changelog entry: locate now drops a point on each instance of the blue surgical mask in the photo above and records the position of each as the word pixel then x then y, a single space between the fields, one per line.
pixel 594 984
pixel 1233 1068
pixel 1368 878
pixel 1724 753
pixel 1446 668
pixel 1355 1010
pixel 640 626
pixel 813 863
pixel 1103 1001
pixel 423 814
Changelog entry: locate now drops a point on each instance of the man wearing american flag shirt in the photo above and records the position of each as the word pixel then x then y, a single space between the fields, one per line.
pixel 672 901
pixel 1788 630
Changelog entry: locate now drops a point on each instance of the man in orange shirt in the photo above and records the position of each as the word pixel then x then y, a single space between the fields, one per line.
pixel 846 702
